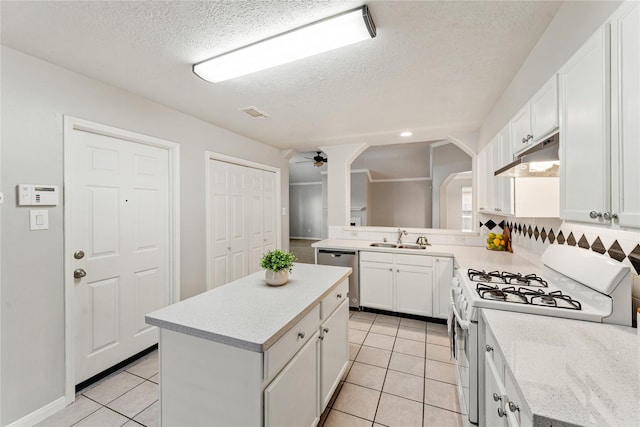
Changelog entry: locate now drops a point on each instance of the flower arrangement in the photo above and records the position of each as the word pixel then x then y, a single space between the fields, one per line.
pixel 277 260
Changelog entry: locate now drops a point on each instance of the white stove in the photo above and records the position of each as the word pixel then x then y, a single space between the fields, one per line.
pixel 574 284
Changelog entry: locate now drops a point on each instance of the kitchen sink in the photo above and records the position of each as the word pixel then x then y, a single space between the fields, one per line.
pixel 383 245
pixel 410 246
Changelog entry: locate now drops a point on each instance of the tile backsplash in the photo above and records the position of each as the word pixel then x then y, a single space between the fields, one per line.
pixel 531 236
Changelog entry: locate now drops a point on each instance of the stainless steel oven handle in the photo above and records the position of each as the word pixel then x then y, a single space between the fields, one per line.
pixel 464 324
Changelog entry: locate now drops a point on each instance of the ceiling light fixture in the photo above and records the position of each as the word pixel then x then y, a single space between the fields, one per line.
pixel 330 33
pixel 406 134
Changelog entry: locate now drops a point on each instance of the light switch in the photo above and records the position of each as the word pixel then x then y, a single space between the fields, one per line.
pixel 39 219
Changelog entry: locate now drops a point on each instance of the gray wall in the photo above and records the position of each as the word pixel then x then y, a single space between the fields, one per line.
pixel 305 210
pixel 35 95
pixel 400 204
pixel 447 159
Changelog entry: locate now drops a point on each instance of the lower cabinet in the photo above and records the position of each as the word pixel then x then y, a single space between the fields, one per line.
pixel 292 397
pixel 406 283
pixel 334 352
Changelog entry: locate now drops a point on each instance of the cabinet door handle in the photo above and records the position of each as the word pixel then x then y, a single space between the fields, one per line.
pixel 339 296
pixel 325 330
pixel 594 214
pixel 524 140
pixel 391 269
pixel 610 216
pixel 529 137
pixel 489 348
pixel 497 397
pixel 501 412
pixel 301 335
pixel 513 407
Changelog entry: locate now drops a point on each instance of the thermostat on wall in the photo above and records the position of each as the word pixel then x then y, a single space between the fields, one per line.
pixel 38 195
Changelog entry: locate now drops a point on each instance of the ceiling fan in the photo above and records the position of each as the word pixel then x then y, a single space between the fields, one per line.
pixel 318 160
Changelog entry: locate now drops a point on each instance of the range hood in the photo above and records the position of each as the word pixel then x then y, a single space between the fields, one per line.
pixel 540 160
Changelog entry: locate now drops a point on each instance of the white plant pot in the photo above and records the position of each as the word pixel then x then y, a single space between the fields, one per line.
pixel 276 278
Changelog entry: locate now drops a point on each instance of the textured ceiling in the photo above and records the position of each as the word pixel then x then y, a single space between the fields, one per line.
pixel 436 68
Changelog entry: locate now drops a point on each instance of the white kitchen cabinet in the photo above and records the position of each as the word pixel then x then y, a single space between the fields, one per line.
pixel 292 397
pixel 442 274
pixel 483 165
pixel 495 414
pixel 496 192
pixel 334 351
pixel 625 115
pixel 397 282
pixel 537 119
pixel 585 136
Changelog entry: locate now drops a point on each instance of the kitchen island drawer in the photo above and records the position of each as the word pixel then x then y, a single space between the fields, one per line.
pixel 280 353
pixel 335 297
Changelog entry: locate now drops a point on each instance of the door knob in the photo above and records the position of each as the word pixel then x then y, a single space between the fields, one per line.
pixel 79 273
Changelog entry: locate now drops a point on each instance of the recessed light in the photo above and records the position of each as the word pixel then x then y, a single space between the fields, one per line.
pixel 406 134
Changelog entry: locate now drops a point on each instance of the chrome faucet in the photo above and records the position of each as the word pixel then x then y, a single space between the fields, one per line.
pixel 400 234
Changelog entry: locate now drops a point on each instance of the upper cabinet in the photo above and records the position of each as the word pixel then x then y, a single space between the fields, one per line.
pixel 625 115
pixel 584 139
pixel 600 115
pixel 495 192
pixel 537 119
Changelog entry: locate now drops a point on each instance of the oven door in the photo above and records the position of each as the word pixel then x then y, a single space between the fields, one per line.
pixel 466 350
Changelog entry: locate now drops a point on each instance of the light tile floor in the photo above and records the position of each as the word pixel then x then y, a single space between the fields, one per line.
pixel 399 374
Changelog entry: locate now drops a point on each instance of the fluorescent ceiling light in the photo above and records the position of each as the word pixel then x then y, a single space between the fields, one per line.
pixel 321 36
pixel 406 134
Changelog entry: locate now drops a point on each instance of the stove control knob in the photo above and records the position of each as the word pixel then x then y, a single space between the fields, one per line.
pixel 489 348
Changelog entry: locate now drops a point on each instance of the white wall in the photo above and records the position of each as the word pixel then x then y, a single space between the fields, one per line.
pixel 35 96
pixel 574 22
pixel 451 203
pixel 447 159
pixel 305 210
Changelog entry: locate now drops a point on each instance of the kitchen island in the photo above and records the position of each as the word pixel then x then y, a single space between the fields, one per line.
pixel 250 354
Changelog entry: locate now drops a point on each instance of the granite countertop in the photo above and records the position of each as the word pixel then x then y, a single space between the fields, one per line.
pixel 477 257
pixel 248 313
pixel 571 371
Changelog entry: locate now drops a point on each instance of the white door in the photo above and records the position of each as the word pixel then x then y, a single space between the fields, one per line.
pixel 118 200
pixel 242 220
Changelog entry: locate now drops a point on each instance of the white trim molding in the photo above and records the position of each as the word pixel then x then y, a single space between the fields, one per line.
pixel 41 414
pixel 72 124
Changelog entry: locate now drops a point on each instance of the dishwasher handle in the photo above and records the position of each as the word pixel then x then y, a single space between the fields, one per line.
pixel 336 254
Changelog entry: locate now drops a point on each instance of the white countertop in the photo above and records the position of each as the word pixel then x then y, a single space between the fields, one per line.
pixel 570 371
pixel 477 257
pixel 248 313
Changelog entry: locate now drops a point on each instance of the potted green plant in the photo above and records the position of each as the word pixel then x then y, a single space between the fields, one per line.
pixel 278 264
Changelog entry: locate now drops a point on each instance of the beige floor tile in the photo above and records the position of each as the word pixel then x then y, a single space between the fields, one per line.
pixel 357 336
pixel 360 324
pixel 394 411
pixel 384 342
pixel 353 350
pixel 437 327
pixel 113 387
pixel 442 395
pixel 374 356
pixel 441 417
pixel 364 315
pixel 440 371
pixel 359 401
pixel 414 348
pixel 383 318
pixel 408 364
pixel 103 417
pixel 131 423
pixel 137 400
pixel 384 328
pixel 412 323
pixel 150 417
pixel 404 385
pixel 146 367
pixel 439 352
pixel 413 334
pixel 73 413
pixel 367 375
pixel 437 338
pixel 155 378
pixel 341 419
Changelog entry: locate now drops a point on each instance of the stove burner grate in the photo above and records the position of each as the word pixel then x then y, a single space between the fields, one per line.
pixel 483 276
pixel 525 280
pixel 522 295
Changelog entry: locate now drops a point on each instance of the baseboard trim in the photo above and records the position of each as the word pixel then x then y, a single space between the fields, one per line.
pixel 41 414
pixel 304 238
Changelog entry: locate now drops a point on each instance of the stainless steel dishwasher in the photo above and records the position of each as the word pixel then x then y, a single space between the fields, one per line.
pixel 344 258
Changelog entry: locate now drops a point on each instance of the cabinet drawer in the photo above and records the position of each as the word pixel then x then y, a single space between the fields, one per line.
pixel 376 256
pixel 283 350
pixel 335 297
pixel 406 259
pixel 493 353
